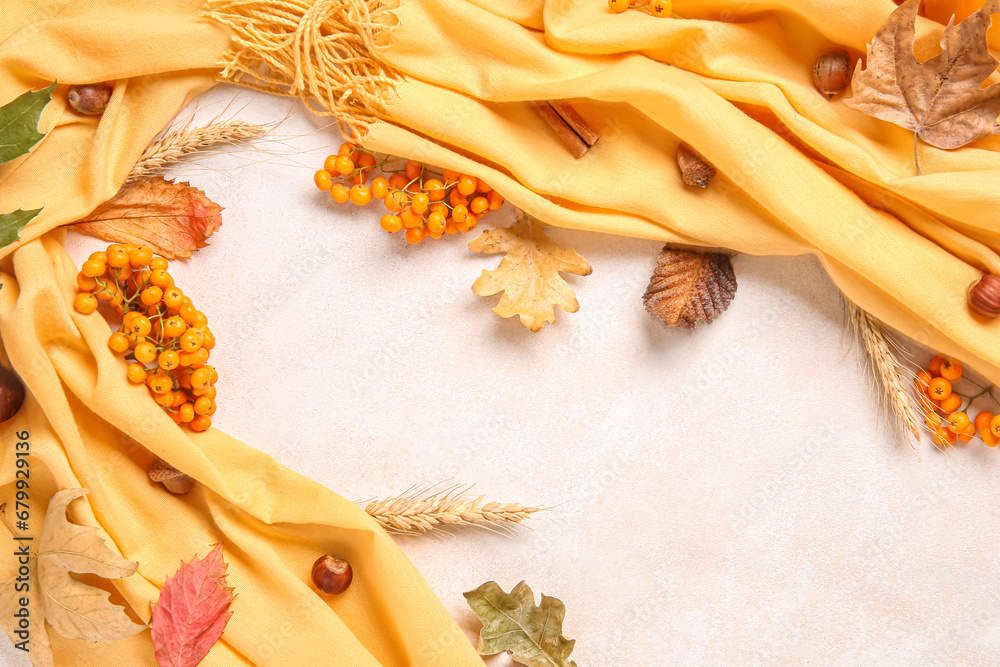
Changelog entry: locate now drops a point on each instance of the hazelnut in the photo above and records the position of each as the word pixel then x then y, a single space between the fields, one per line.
pixel 332 575
pixel 172 479
pixel 11 393
pixel 984 296
pixel 91 98
pixel 832 72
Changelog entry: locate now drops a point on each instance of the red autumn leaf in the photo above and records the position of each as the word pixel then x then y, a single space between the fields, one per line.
pixel 173 219
pixel 192 611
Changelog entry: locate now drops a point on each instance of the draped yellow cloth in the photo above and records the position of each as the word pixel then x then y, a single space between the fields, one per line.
pixel 797 174
pixel 88 428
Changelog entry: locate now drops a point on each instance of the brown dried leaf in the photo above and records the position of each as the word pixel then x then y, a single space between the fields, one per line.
pixel 173 219
pixel 941 100
pixel 529 275
pixel 688 285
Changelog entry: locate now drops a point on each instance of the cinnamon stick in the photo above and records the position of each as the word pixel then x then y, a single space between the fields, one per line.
pixel 576 146
pixel 575 121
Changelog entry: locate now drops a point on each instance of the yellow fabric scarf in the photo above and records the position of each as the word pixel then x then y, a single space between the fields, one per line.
pixel 447 80
pixel 89 428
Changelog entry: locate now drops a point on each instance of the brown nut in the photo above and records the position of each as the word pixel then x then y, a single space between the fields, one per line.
pixel 91 98
pixel 332 575
pixel 832 72
pixel 172 479
pixel 695 169
pixel 11 393
pixel 984 296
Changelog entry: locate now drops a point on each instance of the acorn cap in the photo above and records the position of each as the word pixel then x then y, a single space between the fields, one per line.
pixel 161 471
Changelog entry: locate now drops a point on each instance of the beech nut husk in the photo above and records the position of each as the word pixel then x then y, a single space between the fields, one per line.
pixel 90 99
pixel 170 477
pixel 11 393
pixel 832 72
pixel 332 575
pixel 984 296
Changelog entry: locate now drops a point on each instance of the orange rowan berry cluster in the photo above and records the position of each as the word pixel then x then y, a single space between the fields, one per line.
pixel 942 406
pixel 425 204
pixel 166 339
pixel 654 7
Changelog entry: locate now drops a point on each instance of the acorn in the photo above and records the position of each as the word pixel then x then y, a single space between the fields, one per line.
pixel 11 393
pixel 332 575
pixel 172 479
pixel 90 98
pixel 984 296
pixel 696 171
pixel 832 72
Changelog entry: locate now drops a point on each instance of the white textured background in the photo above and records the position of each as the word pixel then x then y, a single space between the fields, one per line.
pixel 726 496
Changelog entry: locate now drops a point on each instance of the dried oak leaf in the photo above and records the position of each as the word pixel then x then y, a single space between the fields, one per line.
pixel 941 99
pixel 529 275
pixel 688 285
pixel 74 609
pixel 531 634
pixel 173 219
pixel 192 611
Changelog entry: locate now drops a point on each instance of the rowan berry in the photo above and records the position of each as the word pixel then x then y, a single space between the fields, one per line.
pixel 989 439
pixel 944 438
pixel 151 295
pixel 361 195
pixel 136 373
pixel 203 405
pixel 413 169
pixel 391 223
pixel 459 213
pixel 380 187
pixel 932 420
pixel 939 389
pixel 951 369
pixel 201 378
pixel 93 268
pixel 434 189
pixel 496 201
pixel 145 352
pixel 661 8
pixel 173 297
pixel 923 381
pixel 957 422
pixel 340 193
pixel 85 303
pixel 140 257
pixel 950 404
pixel 169 360
pixel 420 202
pixel 935 364
pixel 323 180
pixel 995 426
pixel 186 412
pixel 345 150
pixel 479 204
pixel 415 235
pixel 201 423
pixel 411 218
pixel 161 279
pixel 618 6
pixel 396 201
pixel 436 223
pixel 160 383
pixel 191 340
pixel 343 165
pixel 118 342
pixel 983 419
pixel 118 259
pixel 207 338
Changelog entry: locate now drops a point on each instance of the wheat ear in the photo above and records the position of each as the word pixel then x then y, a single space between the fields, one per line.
pixel 171 148
pixel 885 368
pixel 421 510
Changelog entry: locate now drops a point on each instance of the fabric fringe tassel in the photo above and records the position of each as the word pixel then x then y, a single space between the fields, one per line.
pixel 322 51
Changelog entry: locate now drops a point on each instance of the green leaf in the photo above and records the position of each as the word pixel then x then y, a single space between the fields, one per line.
pixel 11 224
pixel 531 634
pixel 19 123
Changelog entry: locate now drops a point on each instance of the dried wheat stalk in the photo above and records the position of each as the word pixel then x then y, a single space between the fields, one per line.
pixel 172 147
pixel 421 510
pixel 885 367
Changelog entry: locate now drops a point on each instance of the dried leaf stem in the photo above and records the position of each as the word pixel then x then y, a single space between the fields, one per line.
pixel 421 509
pixel 887 371
pixel 173 147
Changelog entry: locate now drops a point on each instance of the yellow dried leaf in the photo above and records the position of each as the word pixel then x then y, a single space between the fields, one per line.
pixel 74 609
pixel 529 274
